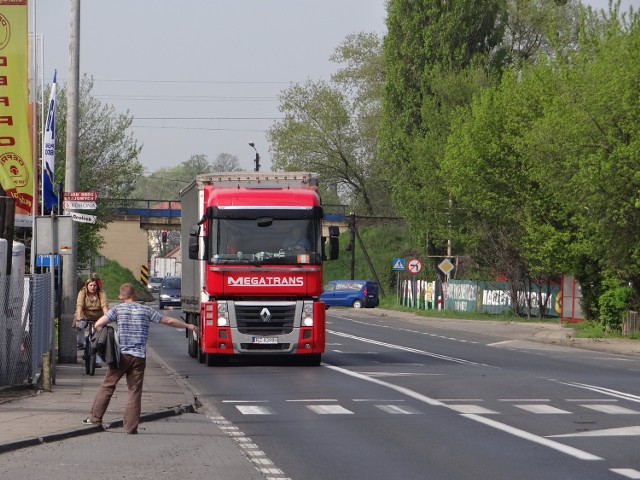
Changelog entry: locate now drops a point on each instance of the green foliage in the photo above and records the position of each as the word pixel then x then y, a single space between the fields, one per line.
pixel 589 329
pixel 435 58
pixel 113 275
pixel 107 159
pixel 614 302
pixel 382 244
pixel 166 183
pixel 331 127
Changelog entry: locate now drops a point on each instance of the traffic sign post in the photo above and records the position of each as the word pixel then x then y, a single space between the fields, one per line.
pixel 414 266
pixel 398 266
pixel 446 267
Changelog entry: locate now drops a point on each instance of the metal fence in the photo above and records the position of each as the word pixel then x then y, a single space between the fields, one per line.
pixel 631 323
pixel 26 327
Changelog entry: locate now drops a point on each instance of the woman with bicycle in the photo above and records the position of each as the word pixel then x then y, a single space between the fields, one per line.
pixel 91 304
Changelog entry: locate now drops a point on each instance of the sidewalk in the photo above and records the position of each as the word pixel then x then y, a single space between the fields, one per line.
pixel 502 331
pixel 38 417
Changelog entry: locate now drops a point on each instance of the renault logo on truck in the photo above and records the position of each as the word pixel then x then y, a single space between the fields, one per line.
pixel 265 315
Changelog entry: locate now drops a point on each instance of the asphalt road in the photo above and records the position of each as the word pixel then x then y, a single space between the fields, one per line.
pixel 396 399
pixel 392 399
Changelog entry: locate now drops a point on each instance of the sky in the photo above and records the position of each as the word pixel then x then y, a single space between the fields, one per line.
pixel 203 76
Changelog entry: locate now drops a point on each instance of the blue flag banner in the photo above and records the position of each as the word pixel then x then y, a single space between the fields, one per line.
pixel 49 197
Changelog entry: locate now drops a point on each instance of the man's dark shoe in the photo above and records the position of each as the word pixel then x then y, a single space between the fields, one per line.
pixel 133 432
pixel 87 421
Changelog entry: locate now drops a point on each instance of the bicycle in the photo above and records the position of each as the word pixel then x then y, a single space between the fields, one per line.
pixel 89 355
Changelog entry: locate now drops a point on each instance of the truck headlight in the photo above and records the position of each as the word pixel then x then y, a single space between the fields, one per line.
pixel 223 315
pixel 307 315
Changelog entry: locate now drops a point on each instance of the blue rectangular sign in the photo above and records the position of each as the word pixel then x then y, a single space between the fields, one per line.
pixel 44 260
pixel 398 263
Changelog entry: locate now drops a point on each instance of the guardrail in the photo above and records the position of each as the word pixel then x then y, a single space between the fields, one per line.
pixel 144 208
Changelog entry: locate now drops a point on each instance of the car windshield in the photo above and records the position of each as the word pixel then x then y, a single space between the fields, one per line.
pixel 276 241
pixel 170 282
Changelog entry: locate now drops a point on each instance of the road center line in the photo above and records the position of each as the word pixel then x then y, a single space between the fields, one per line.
pixel 407 349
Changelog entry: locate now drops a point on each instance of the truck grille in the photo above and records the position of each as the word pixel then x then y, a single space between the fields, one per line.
pixel 249 321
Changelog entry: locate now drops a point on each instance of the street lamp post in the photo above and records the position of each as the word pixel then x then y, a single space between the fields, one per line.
pixel 257 160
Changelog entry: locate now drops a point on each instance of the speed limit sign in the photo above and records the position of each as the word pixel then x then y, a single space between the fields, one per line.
pixel 414 265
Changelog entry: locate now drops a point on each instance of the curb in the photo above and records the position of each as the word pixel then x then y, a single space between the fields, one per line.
pixel 87 430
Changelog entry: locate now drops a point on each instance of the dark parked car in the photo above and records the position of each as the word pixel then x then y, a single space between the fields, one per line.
pixel 350 293
pixel 170 292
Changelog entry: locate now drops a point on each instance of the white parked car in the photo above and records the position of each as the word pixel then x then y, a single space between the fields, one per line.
pixel 154 284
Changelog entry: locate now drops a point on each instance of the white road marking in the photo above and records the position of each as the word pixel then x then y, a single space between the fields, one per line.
pixel 408 349
pixel 504 342
pixel 627 472
pixel 398 409
pixel 257 457
pixel 329 410
pixel 542 409
pixel 607 432
pixel 401 374
pixel 574 452
pixel 580 400
pixel 606 391
pixel 254 410
pixel 477 409
pixel 313 400
pixel 612 409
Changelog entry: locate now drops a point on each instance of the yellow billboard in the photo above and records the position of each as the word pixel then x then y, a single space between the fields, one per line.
pixel 16 160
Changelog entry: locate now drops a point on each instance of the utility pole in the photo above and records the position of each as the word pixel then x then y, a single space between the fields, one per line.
pixel 352 243
pixel 67 348
pixel 257 160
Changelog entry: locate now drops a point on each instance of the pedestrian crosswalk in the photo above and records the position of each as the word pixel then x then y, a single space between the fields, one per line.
pixel 400 407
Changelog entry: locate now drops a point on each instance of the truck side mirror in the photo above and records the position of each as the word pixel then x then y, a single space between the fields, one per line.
pixel 334 248
pixel 193 242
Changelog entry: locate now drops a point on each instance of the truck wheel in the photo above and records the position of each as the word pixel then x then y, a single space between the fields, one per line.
pixel 192 347
pixel 357 303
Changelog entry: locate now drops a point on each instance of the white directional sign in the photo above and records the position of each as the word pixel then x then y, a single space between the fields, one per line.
pixel 73 205
pixel 414 265
pixel 83 217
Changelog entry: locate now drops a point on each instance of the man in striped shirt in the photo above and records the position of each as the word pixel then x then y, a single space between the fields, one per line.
pixel 133 320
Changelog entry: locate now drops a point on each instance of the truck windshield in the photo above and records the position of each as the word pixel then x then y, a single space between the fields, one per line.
pixel 257 242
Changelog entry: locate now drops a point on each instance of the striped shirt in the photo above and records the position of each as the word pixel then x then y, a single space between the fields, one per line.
pixel 133 326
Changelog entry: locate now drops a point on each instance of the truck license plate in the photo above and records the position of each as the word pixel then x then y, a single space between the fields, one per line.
pixel 265 340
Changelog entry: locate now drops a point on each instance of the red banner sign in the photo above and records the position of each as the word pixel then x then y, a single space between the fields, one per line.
pixel 80 196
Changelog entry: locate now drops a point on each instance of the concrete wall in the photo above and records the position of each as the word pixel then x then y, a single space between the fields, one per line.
pixel 126 243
